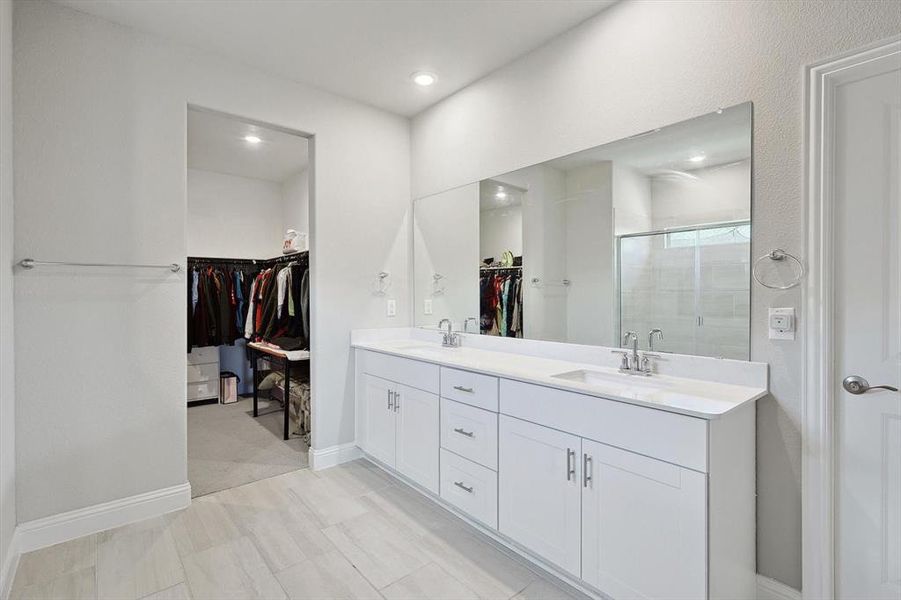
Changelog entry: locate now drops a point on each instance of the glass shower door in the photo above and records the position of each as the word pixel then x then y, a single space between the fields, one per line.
pixel 694 284
pixel 658 289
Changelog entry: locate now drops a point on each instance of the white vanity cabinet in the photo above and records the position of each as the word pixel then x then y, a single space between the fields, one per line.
pixel 539 491
pixel 644 528
pixel 627 500
pixel 381 420
pixel 397 424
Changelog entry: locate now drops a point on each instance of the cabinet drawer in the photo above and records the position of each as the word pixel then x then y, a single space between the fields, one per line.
pixel 470 487
pixel 469 388
pixel 414 373
pixel 675 438
pixel 203 390
pixel 207 354
pixel 470 432
pixel 200 373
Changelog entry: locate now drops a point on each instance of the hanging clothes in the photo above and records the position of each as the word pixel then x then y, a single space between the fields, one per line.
pixel 216 307
pixel 500 299
pixel 230 299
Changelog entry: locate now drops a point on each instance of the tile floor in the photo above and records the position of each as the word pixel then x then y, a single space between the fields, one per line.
pixel 228 447
pixel 347 532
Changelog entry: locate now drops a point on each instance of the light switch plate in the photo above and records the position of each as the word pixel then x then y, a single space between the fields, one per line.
pixel 391 307
pixel 782 323
pixel 427 306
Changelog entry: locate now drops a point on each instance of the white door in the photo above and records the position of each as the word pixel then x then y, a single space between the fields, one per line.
pixel 866 179
pixel 417 436
pixel 379 425
pixel 644 532
pixel 539 494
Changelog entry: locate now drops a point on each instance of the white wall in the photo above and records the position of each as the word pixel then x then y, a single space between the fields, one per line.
pixel 296 203
pixel 100 175
pixel 715 194
pixel 233 217
pixel 500 229
pixel 631 200
pixel 590 297
pixel 446 241
pixel 7 363
pixel 629 70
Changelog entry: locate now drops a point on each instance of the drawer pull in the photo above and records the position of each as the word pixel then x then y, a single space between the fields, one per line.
pixel 463 389
pixel 460 485
pixel 461 431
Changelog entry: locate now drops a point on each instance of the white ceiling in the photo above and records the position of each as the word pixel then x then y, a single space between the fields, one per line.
pixel 216 143
pixel 361 49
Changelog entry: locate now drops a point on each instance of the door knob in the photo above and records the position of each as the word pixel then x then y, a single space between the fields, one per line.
pixel 855 384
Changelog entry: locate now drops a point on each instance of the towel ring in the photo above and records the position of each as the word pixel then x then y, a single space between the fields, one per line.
pixel 779 255
pixel 381 284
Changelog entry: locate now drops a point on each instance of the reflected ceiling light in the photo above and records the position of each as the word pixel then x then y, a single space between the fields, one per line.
pixel 252 139
pixel 697 158
pixel 424 78
pixel 500 195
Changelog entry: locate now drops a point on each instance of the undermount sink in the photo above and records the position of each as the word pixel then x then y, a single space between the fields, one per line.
pixel 605 379
pixel 426 349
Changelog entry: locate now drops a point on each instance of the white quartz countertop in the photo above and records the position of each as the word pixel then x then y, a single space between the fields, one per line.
pixel 693 397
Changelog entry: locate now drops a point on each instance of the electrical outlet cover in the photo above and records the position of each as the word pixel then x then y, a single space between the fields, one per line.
pixel 782 324
pixel 427 306
pixel 391 307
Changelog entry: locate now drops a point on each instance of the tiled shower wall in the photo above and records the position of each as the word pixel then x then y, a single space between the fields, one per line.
pixel 694 285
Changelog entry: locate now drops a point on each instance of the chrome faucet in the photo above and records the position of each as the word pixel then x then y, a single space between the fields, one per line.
pixel 450 339
pixel 634 360
pixel 635 363
pixel 658 333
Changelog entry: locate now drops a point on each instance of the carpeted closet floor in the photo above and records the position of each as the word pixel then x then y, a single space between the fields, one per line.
pixel 227 447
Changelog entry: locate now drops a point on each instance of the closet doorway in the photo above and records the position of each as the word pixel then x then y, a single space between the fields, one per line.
pixel 248 309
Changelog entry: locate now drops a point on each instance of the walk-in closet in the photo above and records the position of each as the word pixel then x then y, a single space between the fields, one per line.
pixel 247 301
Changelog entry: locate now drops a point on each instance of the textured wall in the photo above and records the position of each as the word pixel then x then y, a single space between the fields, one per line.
pixel 7 365
pixel 100 129
pixel 640 65
pixel 233 216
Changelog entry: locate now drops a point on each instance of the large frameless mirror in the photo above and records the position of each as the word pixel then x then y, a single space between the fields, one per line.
pixel 650 234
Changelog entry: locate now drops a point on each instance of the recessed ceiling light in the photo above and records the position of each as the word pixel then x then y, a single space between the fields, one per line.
pixel 252 139
pixel 424 78
pixel 500 195
pixel 697 158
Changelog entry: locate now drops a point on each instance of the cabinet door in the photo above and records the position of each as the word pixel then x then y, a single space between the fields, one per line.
pixel 417 436
pixel 379 419
pixel 643 525
pixel 539 491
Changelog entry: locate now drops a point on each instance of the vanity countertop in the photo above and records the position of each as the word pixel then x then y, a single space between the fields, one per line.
pixel 693 397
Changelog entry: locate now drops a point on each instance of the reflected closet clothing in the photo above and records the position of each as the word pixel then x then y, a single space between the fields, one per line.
pixel 500 299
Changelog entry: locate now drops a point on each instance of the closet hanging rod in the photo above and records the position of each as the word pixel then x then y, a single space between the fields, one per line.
pixel 30 263
pixel 296 256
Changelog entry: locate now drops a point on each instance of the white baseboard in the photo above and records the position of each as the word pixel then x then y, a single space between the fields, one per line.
pixel 770 589
pixel 333 455
pixel 9 566
pixel 66 526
